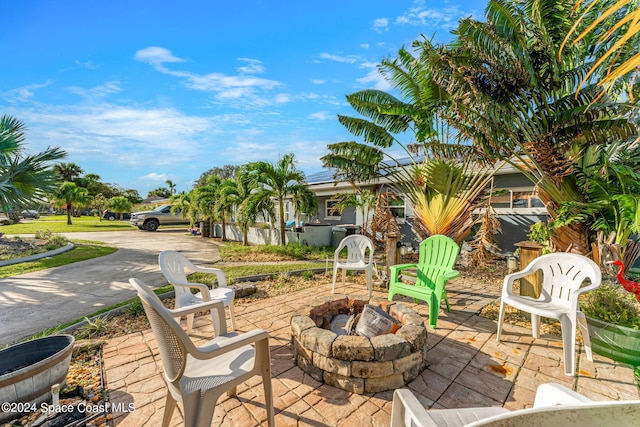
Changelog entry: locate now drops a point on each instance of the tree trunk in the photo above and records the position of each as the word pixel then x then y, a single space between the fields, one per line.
pixel 281 209
pixel 224 232
pixel 573 237
pixel 69 214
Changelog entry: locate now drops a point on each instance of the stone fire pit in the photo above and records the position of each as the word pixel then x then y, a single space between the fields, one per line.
pixel 356 363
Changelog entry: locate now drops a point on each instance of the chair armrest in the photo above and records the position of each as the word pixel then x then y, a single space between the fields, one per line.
pixel 451 274
pixel 224 344
pixel 406 410
pixel 219 323
pixel 204 289
pixel 552 394
pixel 394 270
pixel 222 280
pixel 509 279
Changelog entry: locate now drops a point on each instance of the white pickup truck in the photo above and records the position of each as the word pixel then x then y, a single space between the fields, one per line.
pixel 151 220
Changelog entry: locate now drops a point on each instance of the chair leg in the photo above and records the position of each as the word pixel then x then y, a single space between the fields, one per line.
pixel 268 397
pixel 535 325
pixel 232 391
pixel 370 282
pixel 500 320
pixel 344 280
pixel 446 301
pixel 584 333
pixel 232 316
pixel 434 309
pixel 190 322
pixel 333 282
pixel 568 345
pixel 169 407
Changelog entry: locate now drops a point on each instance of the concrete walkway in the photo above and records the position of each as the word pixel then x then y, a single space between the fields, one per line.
pixel 466 367
pixel 33 302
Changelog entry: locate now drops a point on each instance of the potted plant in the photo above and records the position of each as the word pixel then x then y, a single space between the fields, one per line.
pixel 613 317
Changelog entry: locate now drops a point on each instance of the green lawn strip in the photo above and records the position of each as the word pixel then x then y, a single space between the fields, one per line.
pixel 232 273
pixel 58 224
pixel 80 252
pixel 232 251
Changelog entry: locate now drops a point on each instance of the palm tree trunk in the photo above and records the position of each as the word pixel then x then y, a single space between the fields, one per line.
pixel 69 213
pixel 573 237
pixel 281 211
pixel 224 232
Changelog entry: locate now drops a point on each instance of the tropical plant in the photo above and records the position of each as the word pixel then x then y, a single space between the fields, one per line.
pixel 120 204
pixel 160 192
pixel 615 25
pixel 187 205
pixel 509 94
pixel 68 171
pixel 172 187
pixel 205 198
pixel 24 178
pixel 100 203
pixel 69 195
pixel 234 193
pixel 274 182
pixel 363 200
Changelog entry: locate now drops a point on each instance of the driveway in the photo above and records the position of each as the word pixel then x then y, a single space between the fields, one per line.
pixel 33 302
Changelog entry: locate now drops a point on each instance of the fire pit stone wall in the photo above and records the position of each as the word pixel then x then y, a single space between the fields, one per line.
pixel 352 362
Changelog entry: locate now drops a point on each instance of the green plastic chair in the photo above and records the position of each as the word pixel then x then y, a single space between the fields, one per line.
pixel 438 255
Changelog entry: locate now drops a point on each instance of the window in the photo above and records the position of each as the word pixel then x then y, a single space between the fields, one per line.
pixel 397 207
pixel 329 209
pixel 516 199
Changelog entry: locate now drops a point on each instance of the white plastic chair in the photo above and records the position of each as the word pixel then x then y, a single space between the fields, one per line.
pixel 197 376
pixel 562 278
pixel 357 259
pixel 554 405
pixel 175 266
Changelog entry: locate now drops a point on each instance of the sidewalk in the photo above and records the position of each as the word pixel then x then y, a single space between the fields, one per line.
pixel 466 367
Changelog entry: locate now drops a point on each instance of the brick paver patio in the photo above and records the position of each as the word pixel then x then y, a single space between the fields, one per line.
pixel 466 367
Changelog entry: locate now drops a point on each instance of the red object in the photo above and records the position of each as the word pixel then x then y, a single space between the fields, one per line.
pixel 629 285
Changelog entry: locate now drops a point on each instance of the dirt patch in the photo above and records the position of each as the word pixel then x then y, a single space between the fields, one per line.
pixel 18 247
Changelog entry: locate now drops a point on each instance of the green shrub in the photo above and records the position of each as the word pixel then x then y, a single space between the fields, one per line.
pixel 307 275
pixel 612 303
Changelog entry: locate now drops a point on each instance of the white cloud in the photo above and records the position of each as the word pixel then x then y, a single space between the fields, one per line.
pixel 375 78
pixel 317 81
pixel 254 66
pixel 282 98
pixel 155 55
pixel 155 177
pixel 98 91
pixel 380 24
pixel 321 115
pixel 349 59
pixel 24 93
pixel 365 45
pixel 445 17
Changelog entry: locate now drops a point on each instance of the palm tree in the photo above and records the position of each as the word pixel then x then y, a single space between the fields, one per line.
pixel 248 210
pixel 23 178
pixel 205 197
pixel 509 94
pixel 187 205
pixel 172 187
pixel 120 204
pixel 100 202
pixel 277 182
pixel 613 32
pixel 69 195
pixel 68 171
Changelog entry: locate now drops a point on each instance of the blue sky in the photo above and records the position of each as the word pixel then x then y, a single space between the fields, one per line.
pixel 139 92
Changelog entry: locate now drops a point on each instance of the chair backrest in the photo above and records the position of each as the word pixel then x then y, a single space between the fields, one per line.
pixel 564 273
pixel 438 254
pixel 173 342
pixel 174 266
pixel 357 246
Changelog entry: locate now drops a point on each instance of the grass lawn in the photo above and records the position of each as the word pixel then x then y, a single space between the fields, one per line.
pixel 58 224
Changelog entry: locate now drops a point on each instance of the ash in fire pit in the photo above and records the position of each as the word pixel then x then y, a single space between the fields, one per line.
pixel 357 363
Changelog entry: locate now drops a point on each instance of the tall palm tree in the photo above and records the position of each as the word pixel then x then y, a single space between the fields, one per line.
pixel 206 197
pixel 278 181
pixel 248 209
pixel 187 205
pixel 70 195
pixel 68 171
pixel 509 94
pixel 23 177
pixel 172 187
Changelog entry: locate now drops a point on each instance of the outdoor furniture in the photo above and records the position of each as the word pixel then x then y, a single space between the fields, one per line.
pixel 175 266
pixel 554 405
pixel 438 255
pixel 562 278
pixel 198 376
pixel 357 259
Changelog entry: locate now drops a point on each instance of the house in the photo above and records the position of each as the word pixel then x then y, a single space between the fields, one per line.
pixel 517 206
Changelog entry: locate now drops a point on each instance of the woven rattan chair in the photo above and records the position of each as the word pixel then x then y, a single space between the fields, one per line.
pixel 175 267
pixel 197 376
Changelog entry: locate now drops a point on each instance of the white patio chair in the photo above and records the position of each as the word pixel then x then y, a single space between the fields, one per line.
pixel 562 276
pixel 357 259
pixel 197 376
pixel 554 405
pixel 175 267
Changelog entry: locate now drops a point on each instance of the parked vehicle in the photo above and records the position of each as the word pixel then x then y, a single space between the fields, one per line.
pixel 112 216
pixel 151 220
pixel 30 213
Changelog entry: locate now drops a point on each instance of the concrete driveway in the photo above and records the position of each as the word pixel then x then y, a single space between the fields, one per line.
pixel 33 302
